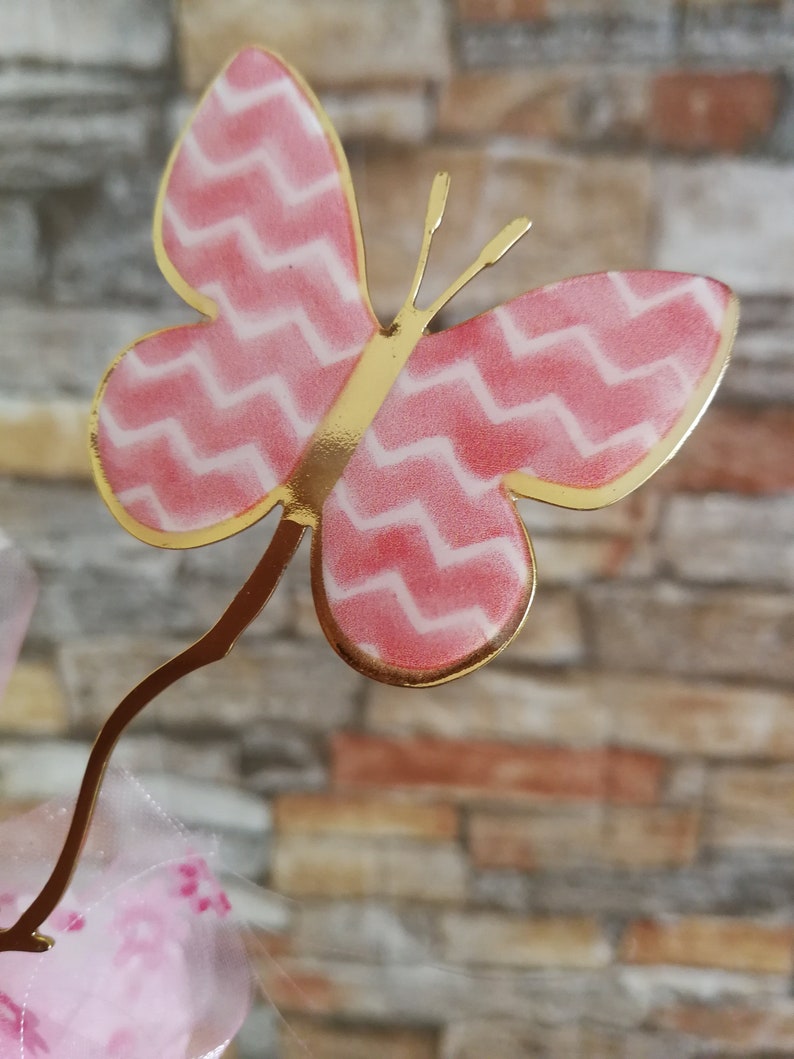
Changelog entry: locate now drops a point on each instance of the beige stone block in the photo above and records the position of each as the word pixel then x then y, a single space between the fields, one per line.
pixel 324 814
pixel 711 941
pixel 639 838
pixel 589 215
pixel 44 439
pixel 33 702
pixel 494 704
pixel 573 560
pixel 552 633
pixel 315 866
pixel 302 1038
pixel 636 517
pixel 658 837
pixel 690 717
pixel 752 807
pixel 487 938
pixel 344 43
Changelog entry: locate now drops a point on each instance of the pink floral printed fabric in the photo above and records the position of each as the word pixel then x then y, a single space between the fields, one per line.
pixel 146 961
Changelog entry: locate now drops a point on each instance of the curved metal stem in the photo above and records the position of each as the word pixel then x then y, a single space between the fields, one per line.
pixel 24 935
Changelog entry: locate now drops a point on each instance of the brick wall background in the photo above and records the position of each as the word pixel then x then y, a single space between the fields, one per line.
pixel 586 848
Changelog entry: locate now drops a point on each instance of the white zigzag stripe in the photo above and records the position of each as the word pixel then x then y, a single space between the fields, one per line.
pixel 262 157
pixel 304 257
pixel 467 373
pixel 235 100
pixel 697 286
pixel 391 581
pixel 414 512
pixel 429 448
pixel 147 494
pixel 249 327
pixel 171 430
pixel 611 373
pixel 271 385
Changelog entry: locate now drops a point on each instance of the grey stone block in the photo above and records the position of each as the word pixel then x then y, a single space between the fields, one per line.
pixel 19 252
pixel 102 240
pixel 280 757
pixel 280 681
pixel 70 142
pixel 638 31
pixel 239 820
pixel 90 32
pixel 747 883
pixel 52 351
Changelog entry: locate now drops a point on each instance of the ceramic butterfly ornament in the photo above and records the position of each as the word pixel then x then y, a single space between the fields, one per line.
pixel 401 450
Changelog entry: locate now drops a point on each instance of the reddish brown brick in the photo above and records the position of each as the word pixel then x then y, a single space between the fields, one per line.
pixel 742 450
pixel 702 941
pixel 568 104
pixel 769 1025
pixel 491 768
pixel 712 111
pixel 501 10
pixel 294 989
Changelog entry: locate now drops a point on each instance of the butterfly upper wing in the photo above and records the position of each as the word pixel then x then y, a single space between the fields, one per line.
pixel 573 393
pixel 596 381
pixel 194 428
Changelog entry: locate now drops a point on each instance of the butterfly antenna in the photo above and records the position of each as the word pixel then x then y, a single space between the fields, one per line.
pixel 489 255
pixel 436 204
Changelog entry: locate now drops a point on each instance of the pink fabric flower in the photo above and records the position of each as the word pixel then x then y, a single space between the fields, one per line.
pixel 146 960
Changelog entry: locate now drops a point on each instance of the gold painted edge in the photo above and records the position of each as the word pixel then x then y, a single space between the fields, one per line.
pixel 181 539
pixel 584 499
pixel 414 678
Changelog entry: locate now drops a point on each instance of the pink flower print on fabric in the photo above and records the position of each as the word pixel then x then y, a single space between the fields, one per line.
pixel 65 921
pixel 17 1024
pixel 194 882
pixel 148 929
pixel 138 970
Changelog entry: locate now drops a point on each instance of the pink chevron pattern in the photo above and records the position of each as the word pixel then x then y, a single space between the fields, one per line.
pixel 423 562
pixel 199 423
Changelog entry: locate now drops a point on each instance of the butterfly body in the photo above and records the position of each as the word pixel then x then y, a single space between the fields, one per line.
pixel 402 450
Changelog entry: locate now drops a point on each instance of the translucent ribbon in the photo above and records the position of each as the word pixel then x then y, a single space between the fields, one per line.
pixel 146 962
pixel 17 597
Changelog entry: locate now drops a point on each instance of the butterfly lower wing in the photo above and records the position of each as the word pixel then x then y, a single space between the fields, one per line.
pixel 420 572
pixel 194 429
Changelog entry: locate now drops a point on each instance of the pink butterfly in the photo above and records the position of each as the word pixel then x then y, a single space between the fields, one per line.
pixel 402 450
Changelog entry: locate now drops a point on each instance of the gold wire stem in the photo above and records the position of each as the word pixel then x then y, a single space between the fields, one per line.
pixel 214 645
